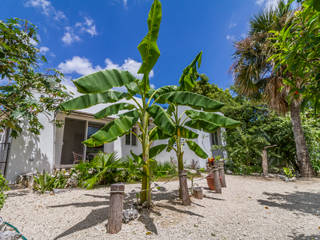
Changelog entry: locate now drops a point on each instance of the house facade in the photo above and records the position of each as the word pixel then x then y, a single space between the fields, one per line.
pixel 61 146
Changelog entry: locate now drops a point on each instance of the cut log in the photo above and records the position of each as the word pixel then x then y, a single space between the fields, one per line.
pixel 115 208
pixel 217 183
pixel 198 193
pixel 221 173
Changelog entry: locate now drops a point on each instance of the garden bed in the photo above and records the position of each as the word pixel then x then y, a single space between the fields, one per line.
pixel 250 208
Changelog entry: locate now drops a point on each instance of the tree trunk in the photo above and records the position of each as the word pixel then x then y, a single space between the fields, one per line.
pixel 145 196
pixel 183 185
pixel 301 146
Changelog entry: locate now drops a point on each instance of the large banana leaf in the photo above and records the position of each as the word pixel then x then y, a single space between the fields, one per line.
pixel 187 133
pixel 89 100
pixel 161 119
pixel 197 149
pixel 162 90
pixel 190 74
pixel 193 100
pixel 171 143
pixel 102 81
pixel 202 125
pixel 111 131
pixel 213 118
pixel 113 109
pixel 158 134
pixel 148 47
pixel 154 151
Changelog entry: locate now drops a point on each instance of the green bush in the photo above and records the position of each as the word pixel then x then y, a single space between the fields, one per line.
pixel 160 170
pixel 3 187
pixel 132 168
pixel 103 169
pixel 43 182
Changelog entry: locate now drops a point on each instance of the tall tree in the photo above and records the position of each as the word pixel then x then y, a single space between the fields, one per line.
pixel 257 77
pixel 25 91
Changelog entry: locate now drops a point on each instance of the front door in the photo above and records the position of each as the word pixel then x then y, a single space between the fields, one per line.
pixel 73 136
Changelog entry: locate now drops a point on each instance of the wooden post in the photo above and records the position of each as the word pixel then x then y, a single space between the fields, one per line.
pixel 221 173
pixel 197 192
pixel 184 188
pixel 217 183
pixel 264 156
pixel 115 208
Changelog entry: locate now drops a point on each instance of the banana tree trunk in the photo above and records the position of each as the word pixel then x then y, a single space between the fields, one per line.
pixel 183 184
pixel 301 146
pixel 145 196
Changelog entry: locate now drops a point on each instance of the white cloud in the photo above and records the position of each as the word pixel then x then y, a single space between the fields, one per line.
pixel 87 26
pixel 69 36
pixel 79 65
pixel 44 50
pixel 129 65
pixel 267 4
pixel 46 8
pixel 82 66
pixel 231 38
pixel 232 25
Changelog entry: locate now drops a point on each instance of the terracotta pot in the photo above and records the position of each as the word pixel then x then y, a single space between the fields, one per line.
pixel 210 181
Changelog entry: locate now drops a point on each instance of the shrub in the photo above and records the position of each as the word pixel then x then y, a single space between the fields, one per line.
pixel 103 169
pixel 45 181
pixel 3 187
pixel 132 168
pixel 166 169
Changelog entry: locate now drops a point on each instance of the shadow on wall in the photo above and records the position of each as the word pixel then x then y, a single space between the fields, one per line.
pixel 299 202
pixel 26 156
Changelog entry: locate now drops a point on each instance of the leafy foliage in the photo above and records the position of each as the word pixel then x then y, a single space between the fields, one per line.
pixel 298 51
pixel 3 187
pixel 24 90
pixel 104 168
pixel 45 181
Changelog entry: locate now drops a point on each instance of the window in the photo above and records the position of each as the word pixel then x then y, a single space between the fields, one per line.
pixel 131 138
pixel 215 138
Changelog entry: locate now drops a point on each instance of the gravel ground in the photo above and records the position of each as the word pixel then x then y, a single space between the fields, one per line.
pixel 249 208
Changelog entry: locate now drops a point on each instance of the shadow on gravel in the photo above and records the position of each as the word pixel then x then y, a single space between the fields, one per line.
pixel 303 202
pixel 296 236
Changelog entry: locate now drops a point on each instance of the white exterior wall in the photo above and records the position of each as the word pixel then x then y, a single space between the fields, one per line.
pixel 31 153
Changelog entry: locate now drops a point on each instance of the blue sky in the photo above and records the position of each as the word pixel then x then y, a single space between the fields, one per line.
pixel 80 37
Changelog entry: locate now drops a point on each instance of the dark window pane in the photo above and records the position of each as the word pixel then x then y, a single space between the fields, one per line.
pixel 128 139
pixel 133 138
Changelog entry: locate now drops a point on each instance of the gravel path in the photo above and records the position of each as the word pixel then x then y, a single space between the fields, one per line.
pixel 249 208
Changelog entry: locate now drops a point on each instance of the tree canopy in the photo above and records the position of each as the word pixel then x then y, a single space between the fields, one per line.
pixel 25 91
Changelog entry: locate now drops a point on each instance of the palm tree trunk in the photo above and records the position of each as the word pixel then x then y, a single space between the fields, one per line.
pixel 301 146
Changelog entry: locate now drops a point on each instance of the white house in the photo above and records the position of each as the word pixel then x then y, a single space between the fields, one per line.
pixel 58 147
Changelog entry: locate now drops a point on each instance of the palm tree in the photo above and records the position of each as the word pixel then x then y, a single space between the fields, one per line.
pixel 256 76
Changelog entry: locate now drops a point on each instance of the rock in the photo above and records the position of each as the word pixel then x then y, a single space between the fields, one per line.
pixel 129 214
pixel 9 235
pixel 229 172
pixel 56 190
pixel 292 179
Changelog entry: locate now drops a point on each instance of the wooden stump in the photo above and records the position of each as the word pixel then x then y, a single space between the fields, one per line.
pixel 115 208
pixel 221 173
pixel 264 162
pixel 198 193
pixel 184 188
pixel 217 183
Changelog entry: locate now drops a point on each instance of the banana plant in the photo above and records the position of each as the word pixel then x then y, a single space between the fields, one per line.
pixel 97 89
pixel 200 116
